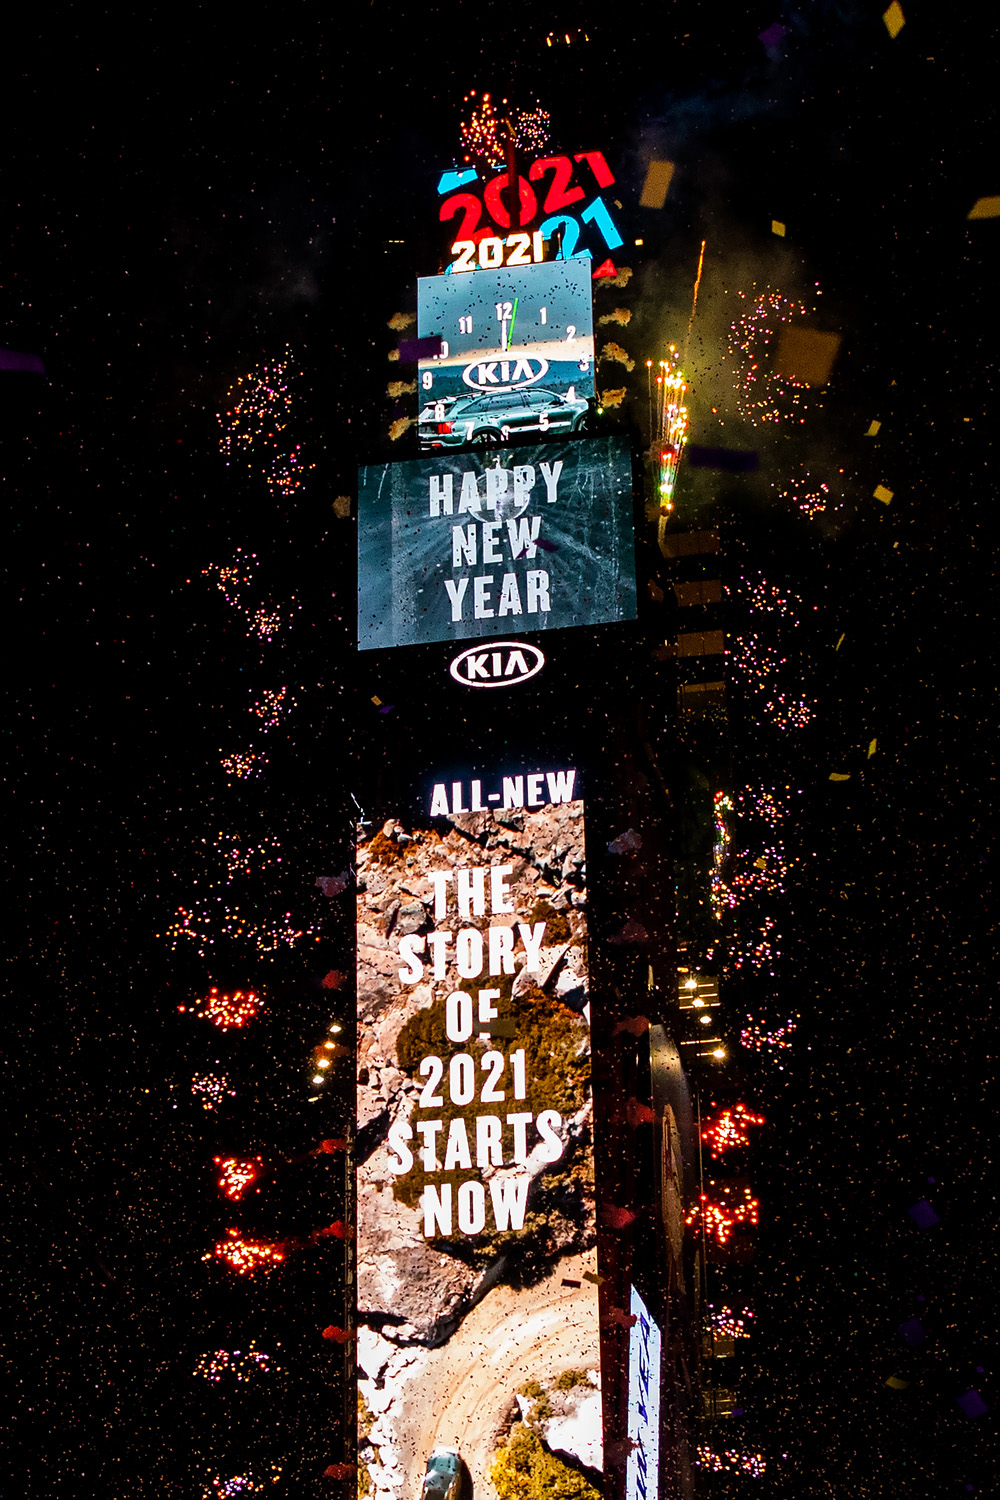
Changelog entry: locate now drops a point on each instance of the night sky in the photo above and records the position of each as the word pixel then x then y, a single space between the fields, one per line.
pixel 191 199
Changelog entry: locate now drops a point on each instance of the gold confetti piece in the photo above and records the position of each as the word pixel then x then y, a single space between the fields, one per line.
pixel 985 208
pixel 377 701
pixel 593 1276
pixel 760 864
pixel 393 354
pixel 840 775
pixel 657 184
pixel 873 429
pixel 894 19
pixel 838 645
pixel 881 493
pixel 894 1381
pixel 806 354
pixel 342 507
pixel 777 228
pixel 401 320
pixel 872 747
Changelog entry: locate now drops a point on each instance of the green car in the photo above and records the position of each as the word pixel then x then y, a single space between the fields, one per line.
pixel 498 416
pixel 443 1479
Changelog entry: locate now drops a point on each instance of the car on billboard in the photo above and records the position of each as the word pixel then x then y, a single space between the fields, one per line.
pixel 443 1479
pixel 497 416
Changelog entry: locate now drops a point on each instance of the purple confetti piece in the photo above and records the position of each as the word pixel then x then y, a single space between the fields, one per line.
pixel 30 364
pixel 413 350
pixel 923 1215
pixel 913 1331
pixel 772 36
pixel 731 460
pixel 972 1404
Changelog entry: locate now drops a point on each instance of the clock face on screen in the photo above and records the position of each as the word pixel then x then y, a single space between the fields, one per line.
pixel 509 331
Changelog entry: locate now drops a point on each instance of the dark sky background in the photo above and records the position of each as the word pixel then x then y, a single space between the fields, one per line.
pixel 187 194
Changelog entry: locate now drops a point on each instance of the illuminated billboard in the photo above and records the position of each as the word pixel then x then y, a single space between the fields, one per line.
pixel 478 1339
pixel 517 353
pixel 475 544
pixel 643 1468
pixel 561 207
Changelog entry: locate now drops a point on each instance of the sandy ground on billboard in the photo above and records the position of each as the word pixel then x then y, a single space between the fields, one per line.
pixel 461 1395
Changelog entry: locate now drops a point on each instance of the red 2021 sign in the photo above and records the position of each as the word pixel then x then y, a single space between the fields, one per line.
pixel 558 200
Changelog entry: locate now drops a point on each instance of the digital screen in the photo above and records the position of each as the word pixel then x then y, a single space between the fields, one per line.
pixel 478 1334
pixel 643 1467
pixel 475 544
pixel 559 207
pixel 517 353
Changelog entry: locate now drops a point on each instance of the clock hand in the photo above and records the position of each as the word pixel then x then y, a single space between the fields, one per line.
pixel 510 331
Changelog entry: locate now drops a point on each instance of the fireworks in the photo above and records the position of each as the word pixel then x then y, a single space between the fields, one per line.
pixel 756 1036
pixel 262 621
pixel 731 1462
pixel 236 1175
pixel 237 1365
pixel 736 1206
pixel 270 705
pixel 240 1484
pixel 231 577
pixel 761 804
pixel 246 1256
pixel 764 395
pixel 240 858
pixel 768 598
pixel 261 404
pixel 211 1089
pixel 759 663
pixel 727 1324
pixel 761 949
pixel 722 804
pixel 668 424
pixel 243 763
pixel 485 134
pixel 229 1011
pixel 729 1130
pixel 288 470
pixel 208 922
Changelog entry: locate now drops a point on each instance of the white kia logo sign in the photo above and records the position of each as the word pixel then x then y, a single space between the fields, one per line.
pixel 500 664
pixel 505 374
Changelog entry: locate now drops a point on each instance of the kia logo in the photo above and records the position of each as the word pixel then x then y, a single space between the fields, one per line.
pixel 505 374
pixel 500 665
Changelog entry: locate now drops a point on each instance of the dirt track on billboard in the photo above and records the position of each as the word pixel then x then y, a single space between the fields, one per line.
pixel 467 1386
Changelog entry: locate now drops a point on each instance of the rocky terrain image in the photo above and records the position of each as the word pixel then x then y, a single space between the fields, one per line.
pixel 476 1233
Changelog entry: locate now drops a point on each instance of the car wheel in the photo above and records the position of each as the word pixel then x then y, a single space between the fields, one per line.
pixel 486 435
pixel 582 423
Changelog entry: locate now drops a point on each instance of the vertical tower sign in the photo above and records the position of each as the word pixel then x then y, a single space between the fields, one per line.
pixel 477 1289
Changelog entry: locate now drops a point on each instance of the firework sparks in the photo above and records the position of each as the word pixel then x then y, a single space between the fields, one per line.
pixel 246 1256
pixel 484 135
pixel 735 1206
pixel 228 1011
pixel 762 394
pixel 236 1174
pixel 761 1036
pixel 206 923
pixel 727 1324
pixel 243 763
pixel 270 706
pixel 211 1089
pixel 731 1461
pixel 729 1129
pixel 669 424
pixel 235 1365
